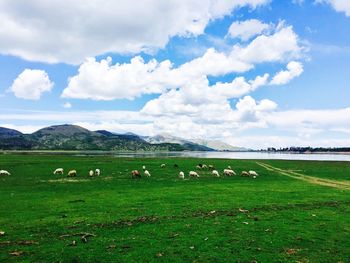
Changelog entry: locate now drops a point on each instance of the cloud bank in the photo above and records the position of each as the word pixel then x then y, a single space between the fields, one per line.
pixel 56 31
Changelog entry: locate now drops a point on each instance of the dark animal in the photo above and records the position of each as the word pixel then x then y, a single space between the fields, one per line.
pixel 135 174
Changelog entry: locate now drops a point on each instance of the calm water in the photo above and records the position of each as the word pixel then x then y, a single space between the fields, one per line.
pixel 243 155
pixel 219 155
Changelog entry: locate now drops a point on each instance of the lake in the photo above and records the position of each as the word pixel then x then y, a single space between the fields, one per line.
pixel 218 155
pixel 243 155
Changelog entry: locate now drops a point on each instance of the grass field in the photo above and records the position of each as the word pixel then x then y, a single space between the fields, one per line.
pixel 287 214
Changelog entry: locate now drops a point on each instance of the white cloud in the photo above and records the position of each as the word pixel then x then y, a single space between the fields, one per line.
pixel 239 86
pixel 294 69
pixel 198 99
pixel 67 105
pixel 338 5
pixel 70 31
pixel 247 29
pixel 104 81
pixel 101 80
pixel 281 46
pixel 250 111
pixel 30 84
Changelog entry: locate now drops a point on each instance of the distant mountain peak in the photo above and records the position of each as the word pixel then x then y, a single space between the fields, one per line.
pixel 64 129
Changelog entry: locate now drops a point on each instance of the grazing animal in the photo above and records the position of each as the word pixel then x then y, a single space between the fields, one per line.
pixel 199 167
pixel 193 174
pixel 147 173
pixel 181 175
pixel 245 173
pixel 215 173
pixel 72 173
pixel 58 171
pixel 4 172
pixel 91 173
pixel 176 165
pixel 204 166
pixel 143 167
pixel 253 173
pixel 162 165
pixel 97 172
pixel 229 172
pixel 211 167
pixel 135 174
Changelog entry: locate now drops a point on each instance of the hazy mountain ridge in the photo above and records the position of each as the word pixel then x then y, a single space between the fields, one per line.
pixel 211 144
pixel 219 145
pixel 168 138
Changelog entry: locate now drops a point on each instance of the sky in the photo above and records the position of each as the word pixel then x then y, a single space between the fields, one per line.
pixel 251 73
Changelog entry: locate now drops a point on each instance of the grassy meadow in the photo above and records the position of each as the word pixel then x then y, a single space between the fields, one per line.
pixel 295 211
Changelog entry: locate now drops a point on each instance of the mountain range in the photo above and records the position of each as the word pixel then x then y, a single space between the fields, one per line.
pixel 73 137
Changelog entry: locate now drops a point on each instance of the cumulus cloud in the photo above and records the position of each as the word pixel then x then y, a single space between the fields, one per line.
pixel 338 5
pixel 239 86
pixel 101 80
pixel 104 81
pixel 250 111
pixel 70 31
pixel 294 69
pixel 247 29
pixel 199 99
pixel 280 46
pixel 30 84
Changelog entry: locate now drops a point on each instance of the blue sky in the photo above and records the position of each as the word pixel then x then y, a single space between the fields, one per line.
pixel 192 72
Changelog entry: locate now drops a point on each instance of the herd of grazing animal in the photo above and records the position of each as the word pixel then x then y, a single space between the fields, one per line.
pixel 193 174
pixel 73 173
pixel 136 174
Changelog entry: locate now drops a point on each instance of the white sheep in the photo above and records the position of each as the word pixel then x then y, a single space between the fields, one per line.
pixel 147 173
pixel 198 167
pixel 58 171
pixel 4 172
pixel 91 173
pixel 181 175
pixel 253 173
pixel 215 173
pixel 229 172
pixel 162 165
pixel 97 172
pixel 72 173
pixel 204 166
pixel 193 174
pixel 245 174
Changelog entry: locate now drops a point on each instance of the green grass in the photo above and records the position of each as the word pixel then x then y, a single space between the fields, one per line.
pixel 164 219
